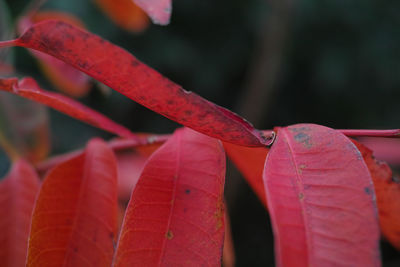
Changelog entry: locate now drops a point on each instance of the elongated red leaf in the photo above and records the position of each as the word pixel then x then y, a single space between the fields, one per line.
pixel 176 213
pixel 75 218
pixel 158 10
pixel 17 196
pixel 66 78
pixel 387 190
pixel 250 162
pixel 28 88
pixel 321 200
pixel 121 71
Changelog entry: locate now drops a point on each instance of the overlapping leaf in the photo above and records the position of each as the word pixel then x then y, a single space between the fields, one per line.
pixel 250 162
pixel 75 218
pixel 321 200
pixel 125 13
pixel 130 166
pixel 387 190
pixel 28 88
pixel 66 78
pixel 176 213
pixel 386 149
pixel 121 71
pixel 17 196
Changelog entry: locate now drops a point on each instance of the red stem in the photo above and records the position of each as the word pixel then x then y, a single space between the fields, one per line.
pixel 395 133
pixel 116 145
pixel 8 43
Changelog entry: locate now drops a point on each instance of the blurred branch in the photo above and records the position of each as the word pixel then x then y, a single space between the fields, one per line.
pixel 267 59
pixel 263 75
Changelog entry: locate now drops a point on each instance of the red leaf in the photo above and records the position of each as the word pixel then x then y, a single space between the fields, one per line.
pixel 158 10
pixel 75 219
pixel 176 213
pixel 121 71
pixel 67 79
pixel 321 200
pixel 17 197
pixel 250 162
pixel 28 88
pixel 125 13
pixel 387 191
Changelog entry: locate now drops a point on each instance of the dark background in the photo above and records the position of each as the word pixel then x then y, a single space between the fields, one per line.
pixel 277 62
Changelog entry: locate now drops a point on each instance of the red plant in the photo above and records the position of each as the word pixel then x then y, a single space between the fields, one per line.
pixel 318 186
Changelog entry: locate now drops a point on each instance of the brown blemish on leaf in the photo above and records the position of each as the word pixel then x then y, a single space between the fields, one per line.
pixel 301 196
pixel 169 235
pixel 367 190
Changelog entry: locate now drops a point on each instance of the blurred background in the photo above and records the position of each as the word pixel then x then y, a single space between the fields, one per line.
pixel 275 62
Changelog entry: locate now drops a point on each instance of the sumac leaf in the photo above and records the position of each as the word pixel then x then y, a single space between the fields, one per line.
pixel 158 10
pixel 125 13
pixel 121 71
pixel 65 78
pixel 321 200
pixel 176 213
pixel 387 190
pixel 250 162
pixel 17 197
pixel 74 222
pixel 28 88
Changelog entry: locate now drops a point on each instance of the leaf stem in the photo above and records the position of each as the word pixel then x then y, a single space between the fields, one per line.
pixel 394 133
pixel 9 43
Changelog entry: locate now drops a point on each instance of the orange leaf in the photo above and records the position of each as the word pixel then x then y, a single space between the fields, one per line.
pixel 125 13
pixel 250 162
pixel 176 213
pixel 67 79
pixel 75 219
pixel 17 196
pixel 387 191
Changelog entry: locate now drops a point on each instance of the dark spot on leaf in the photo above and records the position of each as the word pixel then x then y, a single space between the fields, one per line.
pixel 367 190
pixel 187 191
pixel 170 102
pixel 303 138
pixel 75 249
pixel 301 196
pixel 188 112
pixel 300 129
